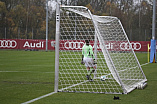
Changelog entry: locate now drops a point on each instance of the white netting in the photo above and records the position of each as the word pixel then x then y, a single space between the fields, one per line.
pixel 114 55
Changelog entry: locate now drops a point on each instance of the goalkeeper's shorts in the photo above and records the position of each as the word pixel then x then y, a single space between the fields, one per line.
pixel 89 62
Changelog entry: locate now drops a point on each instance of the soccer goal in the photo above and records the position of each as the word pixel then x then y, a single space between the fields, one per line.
pixel 113 52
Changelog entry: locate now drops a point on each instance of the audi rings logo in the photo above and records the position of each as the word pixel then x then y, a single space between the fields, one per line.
pixel 8 44
pixel 126 46
pixel 73 45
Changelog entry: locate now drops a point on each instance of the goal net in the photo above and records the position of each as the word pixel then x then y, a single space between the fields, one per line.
pixel 113 52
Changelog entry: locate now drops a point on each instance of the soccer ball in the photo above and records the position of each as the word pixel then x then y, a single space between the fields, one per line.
pixel 103 78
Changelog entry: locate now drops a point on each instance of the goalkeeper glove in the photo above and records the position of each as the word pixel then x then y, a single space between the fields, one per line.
pixel 94 62
pixel 82 62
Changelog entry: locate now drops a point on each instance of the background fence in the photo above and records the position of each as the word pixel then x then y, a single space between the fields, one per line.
pixel 40 44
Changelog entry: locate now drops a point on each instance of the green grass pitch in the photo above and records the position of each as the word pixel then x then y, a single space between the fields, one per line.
pixel 25 75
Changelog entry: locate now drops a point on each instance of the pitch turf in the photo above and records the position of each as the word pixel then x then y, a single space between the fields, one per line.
pixel 25 75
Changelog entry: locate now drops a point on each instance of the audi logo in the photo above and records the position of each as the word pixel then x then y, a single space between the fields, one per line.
pixel 8 44
pixel 126 46
pixel 122 46
pixel 73 45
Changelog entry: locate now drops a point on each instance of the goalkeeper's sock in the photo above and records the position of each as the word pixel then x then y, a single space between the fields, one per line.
pixel 90 72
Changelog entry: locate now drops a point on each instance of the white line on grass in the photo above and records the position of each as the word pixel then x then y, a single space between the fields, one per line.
pixel 42 72
pixel 144 64
pixel 51 93
pixel 39 65
pixel 39 98
pixel 73 85
pixel 130 68
pixel 23 72
pixel 13 71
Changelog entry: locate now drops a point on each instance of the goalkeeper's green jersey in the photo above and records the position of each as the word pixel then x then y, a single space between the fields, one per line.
pixel 87 51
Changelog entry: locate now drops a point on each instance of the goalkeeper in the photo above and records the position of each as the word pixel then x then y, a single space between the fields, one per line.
pixel 88 59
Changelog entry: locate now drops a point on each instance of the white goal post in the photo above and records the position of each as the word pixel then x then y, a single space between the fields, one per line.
pixel 113 52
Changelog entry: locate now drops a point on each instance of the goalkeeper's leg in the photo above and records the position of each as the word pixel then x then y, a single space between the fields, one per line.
pixel 89 64
pixel 90 71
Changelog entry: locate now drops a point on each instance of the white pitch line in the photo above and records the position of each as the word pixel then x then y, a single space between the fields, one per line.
pixel 131 68
pixel 42 72
pixel 23 72
pixel 50 94
pixel 33 100
pixel 144 64
pixel 74 85
pixel 39 65
pixel 13 71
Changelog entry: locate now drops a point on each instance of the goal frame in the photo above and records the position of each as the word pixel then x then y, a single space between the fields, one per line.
pixel 95 49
